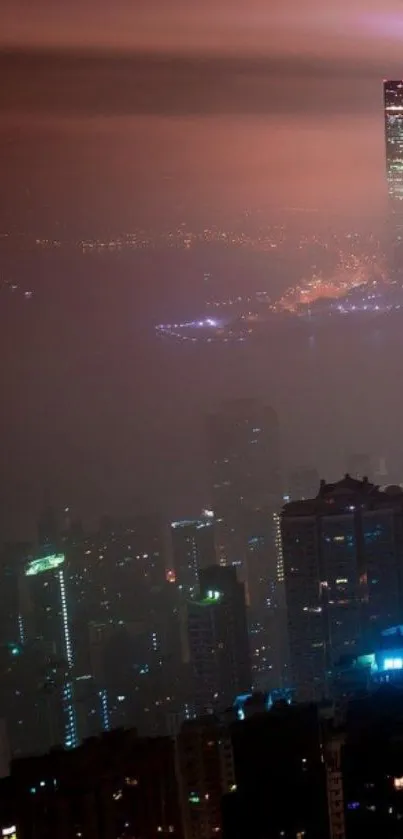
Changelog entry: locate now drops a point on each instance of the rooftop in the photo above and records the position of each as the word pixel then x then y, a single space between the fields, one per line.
pixel 44 563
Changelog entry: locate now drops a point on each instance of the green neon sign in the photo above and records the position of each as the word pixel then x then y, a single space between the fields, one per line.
pixel 45 563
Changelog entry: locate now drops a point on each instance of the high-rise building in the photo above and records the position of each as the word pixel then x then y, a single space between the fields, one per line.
pixel 393 101
pixel 218 639
pixel 48 619
pixel 114 571
pixel 393 108
pixel 372 766
pixel 12 561
pixel 206 773
pixel 118 785
pixel 279 548
pixel 126 624
pixel 279 776
pixel 47 627
pixel 193 547
pixel 266 599
pixel 343 554
pixel 244 454
pixel 136 543
pixel 243 444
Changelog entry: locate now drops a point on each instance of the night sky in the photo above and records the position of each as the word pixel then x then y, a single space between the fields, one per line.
pixel 151 112
pixel 257 98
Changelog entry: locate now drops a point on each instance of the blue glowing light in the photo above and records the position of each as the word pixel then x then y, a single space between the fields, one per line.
pixel 393 663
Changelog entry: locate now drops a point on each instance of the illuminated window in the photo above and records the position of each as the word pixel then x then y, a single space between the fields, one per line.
pixel 393 663
pixel 398 783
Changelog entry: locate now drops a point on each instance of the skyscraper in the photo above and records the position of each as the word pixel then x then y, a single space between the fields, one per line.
pixel 393 107
pixel 47 626
pixel 279 775
pixel 218 639
pixel 243 443
pixel 246 493
pixel 343 554
pixel 48 619
pixel 206 773
pixel 393 101
pixel 193 546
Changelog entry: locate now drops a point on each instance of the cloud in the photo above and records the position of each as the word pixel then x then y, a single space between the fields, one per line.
pixel 72 84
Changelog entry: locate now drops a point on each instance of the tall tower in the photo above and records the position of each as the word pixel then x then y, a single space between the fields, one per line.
pixel 218 640
pixel 393 108
pixel 206 773
pixel 193 546
pixel 343 553
pixel 246 493
pixel 48 629
pixel 243 444
pixel 393 101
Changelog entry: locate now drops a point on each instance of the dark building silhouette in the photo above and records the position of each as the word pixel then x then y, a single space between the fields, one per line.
pixel 218 639
pixel 244 454
pixel 12 561
pixel 206 773
pixel 243 441
pixel 127 624
pixel 116 785
pixel 280 776
pixel 343 553
pixel 372 765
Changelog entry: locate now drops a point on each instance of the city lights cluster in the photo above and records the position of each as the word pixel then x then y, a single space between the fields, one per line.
pixel 358 287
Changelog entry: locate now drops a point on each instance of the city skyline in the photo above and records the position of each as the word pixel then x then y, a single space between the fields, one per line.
pixel 201 482
pixel 150 171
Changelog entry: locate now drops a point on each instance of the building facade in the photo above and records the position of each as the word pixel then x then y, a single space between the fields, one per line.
pixel 393 103
pixel 193 547
pixel 343 554
pixel 206 773
pixel 47 629
pixel 243 443
pixel 218 640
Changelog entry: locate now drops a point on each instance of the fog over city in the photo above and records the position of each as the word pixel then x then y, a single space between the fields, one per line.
pixel 112 140
pixel 201 482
